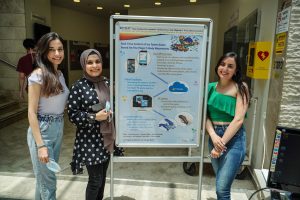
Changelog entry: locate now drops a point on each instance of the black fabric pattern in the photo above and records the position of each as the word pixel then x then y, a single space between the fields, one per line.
pixel 88 147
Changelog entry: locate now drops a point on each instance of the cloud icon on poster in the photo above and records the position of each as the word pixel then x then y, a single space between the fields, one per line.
pixel 178 87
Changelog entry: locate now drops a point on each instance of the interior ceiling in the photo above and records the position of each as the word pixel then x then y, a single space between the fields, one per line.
pixel 112 6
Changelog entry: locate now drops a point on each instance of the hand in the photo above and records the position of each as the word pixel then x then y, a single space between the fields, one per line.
pixel 218 143
pixel 214 153
pixel 43 154
pixel 102 115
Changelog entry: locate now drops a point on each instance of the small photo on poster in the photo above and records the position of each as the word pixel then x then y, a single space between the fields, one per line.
pixel 184 119
pixel 143 58
pixel 131 66
pixel 142 101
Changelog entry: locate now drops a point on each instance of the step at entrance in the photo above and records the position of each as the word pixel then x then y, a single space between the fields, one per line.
pixel 11 111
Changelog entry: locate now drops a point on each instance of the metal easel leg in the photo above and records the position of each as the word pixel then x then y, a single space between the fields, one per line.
pixel 111 176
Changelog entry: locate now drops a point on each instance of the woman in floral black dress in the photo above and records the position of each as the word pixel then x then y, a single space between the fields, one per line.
pixel 95 134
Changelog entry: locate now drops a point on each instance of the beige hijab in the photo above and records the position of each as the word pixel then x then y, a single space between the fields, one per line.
pixel 107 129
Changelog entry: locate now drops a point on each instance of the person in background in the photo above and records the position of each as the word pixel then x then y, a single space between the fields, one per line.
pixel 227 104
pixel 95 132
pixel 47 97
pixel 26 65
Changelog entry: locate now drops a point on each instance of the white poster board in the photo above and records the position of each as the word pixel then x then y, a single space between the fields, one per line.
pixel 160 69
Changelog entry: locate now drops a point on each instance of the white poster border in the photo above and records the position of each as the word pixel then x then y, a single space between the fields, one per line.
pixel 146 25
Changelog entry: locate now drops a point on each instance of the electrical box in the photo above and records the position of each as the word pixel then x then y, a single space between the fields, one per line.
pixel 258 65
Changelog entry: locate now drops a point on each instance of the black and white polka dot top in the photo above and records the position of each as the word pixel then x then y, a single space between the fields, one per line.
pixel 88 146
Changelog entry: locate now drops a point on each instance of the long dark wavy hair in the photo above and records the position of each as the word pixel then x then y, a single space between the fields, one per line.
pixel 237 77
pixel 51 85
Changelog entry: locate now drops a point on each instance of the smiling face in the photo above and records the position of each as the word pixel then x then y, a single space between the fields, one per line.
pixel 55 52
pixel 93 66
pixel 227 68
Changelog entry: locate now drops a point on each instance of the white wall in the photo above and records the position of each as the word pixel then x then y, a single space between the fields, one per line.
pixel 74 25
pixel 39 8
pixel 70 24
pixel 261 87
pixel 78 26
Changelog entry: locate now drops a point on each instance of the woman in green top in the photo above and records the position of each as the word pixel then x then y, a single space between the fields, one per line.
pixel 228 101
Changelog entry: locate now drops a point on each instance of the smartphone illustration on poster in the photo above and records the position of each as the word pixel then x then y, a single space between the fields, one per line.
pixel 143 57
pixel 130 65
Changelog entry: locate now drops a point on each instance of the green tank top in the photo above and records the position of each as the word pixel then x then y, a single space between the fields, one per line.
pixel 220 107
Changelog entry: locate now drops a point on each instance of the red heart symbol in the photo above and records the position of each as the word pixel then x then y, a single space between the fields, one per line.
pixel 263 55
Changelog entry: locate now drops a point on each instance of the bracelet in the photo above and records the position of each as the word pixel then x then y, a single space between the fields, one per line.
pixel 40 146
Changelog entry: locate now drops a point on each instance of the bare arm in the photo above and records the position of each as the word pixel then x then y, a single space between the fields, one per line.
pixel 237 122
pixel 34 91
pixel 219 146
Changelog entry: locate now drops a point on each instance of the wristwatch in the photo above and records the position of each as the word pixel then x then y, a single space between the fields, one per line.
pixel 91 117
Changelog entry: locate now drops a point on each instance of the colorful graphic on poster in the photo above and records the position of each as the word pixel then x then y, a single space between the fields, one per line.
pixel 159 83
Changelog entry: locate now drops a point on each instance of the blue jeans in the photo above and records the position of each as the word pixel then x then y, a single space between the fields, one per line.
pixel 51 128
pixel 227 165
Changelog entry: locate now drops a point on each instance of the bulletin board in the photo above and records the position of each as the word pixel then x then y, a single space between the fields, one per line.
pixel 160 72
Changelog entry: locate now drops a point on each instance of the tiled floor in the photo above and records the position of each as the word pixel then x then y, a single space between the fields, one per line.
pixel 132 181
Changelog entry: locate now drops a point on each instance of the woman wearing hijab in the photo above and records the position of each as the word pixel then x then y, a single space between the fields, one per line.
pixel 95 132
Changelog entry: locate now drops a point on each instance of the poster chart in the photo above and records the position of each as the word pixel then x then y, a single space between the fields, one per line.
pixel 159 83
